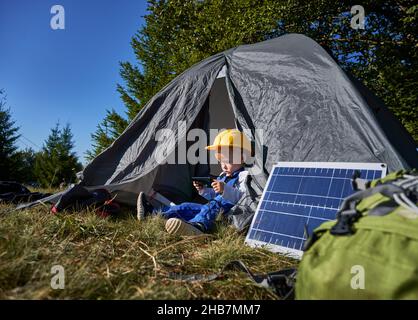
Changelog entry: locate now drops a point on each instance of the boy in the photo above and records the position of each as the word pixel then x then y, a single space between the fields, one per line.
pixel 231 148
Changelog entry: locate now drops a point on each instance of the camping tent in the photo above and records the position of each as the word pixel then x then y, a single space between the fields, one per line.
pixel 289 87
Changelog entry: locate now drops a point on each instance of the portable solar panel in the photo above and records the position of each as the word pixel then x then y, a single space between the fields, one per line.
pixel 298 197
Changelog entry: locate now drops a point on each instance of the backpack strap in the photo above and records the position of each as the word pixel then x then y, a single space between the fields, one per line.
pixel 281 282
pixel 397 191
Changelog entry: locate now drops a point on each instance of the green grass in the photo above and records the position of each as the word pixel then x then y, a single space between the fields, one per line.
pixel 121 258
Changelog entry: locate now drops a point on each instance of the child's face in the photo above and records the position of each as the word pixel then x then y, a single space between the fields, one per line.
pixel 230 160
pixel 229 168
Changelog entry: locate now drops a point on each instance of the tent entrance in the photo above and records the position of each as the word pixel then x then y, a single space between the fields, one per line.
pixel 221 115
pixel 174 180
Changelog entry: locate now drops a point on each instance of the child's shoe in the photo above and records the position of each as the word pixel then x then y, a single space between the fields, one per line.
pixel 179 227
pixel 143 207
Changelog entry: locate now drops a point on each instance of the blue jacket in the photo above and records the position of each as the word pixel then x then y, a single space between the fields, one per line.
pixel 234 187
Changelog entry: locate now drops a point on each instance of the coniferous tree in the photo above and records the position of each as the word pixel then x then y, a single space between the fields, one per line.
pixel 25 169
pixel 57 163
pixel 8 137
pixel 107 131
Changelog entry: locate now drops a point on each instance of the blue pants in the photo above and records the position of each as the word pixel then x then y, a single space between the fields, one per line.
pixel 205 214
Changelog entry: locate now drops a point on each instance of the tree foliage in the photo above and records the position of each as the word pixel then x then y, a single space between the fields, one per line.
pixel 107 131
pixel 57 162
pixel 179 33
pixel 8 138
pixel 25 160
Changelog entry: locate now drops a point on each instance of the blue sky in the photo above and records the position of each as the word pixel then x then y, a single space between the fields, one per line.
pixel 67 75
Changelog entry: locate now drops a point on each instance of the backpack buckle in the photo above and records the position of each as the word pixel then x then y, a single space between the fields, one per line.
pixel 345 220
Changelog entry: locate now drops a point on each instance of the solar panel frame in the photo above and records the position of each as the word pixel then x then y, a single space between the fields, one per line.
pixel 297 252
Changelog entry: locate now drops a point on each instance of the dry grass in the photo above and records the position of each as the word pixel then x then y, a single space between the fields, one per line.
pixel 121 258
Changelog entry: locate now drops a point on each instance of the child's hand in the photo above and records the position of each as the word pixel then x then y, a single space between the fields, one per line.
pixel 218 186
pixel 198 186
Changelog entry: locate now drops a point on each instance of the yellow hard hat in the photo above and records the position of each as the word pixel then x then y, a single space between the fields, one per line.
pixel 231 138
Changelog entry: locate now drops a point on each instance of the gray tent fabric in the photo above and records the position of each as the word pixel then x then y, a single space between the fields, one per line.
pixel 289 87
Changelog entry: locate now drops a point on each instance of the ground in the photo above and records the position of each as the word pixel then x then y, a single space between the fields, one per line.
pixel 121 258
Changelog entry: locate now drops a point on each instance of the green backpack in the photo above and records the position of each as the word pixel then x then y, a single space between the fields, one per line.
pixel 371 250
